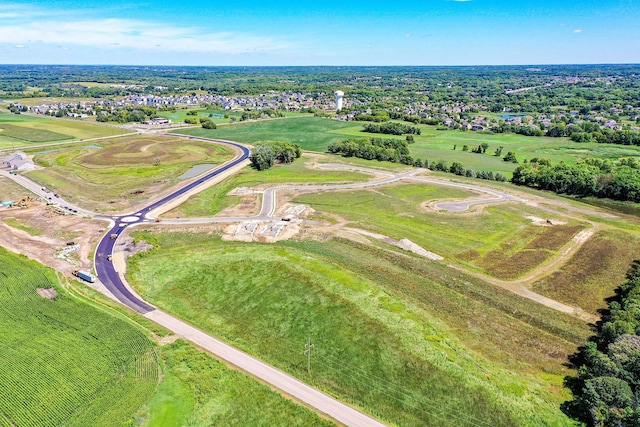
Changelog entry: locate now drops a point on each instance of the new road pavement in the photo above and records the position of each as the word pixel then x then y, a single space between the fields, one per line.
pixel 276 378
pixel 114 282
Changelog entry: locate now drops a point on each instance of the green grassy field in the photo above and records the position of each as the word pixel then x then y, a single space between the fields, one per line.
pixel 315 134
pixel 500 241
pixel 312 133
pixel 124 171
pixel 199 390
pixel 213 200
pixel 383 325
pixel 64 362
pixel 179 115
pixel 20 131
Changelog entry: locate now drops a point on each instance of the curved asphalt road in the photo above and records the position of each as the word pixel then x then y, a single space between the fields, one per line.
pixel 105 269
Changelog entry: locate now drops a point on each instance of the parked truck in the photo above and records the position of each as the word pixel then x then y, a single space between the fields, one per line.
pixel 84 275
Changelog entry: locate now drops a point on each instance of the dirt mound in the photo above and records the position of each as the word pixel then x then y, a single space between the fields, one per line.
pixel 408 245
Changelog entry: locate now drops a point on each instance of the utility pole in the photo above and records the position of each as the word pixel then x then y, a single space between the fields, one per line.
pixel 307 352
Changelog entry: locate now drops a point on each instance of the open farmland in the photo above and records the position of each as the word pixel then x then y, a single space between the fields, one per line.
pixel 315 134
pixel 20 131
pixel 65 362
pixel 385 336
pixel 312 133
pixel 121 172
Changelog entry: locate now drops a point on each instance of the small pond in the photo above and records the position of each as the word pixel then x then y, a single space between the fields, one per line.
pixel 196 170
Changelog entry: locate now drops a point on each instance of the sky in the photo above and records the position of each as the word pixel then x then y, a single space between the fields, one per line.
pixel 346 32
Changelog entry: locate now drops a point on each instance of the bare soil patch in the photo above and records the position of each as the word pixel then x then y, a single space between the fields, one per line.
pixel 57 232
pixel 48 293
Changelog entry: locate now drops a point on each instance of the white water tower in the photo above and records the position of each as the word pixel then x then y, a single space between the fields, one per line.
pixel 339 94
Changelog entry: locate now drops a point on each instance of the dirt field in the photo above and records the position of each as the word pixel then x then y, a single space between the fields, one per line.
pixel 56 232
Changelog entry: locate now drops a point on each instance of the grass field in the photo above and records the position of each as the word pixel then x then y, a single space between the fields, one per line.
pixel 9 190
pixel 594 272
pixel 64 362
pixel 411 341
pixel 315 134
pixel 197 390
pixel 20 131
pixel 179 115
pixel 312 133
pixel 124 171
pixel 213 200
pixel 500 240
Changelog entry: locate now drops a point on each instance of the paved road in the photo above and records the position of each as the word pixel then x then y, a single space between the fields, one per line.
pixel 114 283
pixel 106 270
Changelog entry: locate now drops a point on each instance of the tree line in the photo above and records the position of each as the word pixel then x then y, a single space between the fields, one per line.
pixel 265 154
pixel 589 177
pixel 606 389
pixel 391 128
pixel 397 151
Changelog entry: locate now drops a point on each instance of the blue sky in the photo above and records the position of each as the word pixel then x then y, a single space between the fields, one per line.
pixel 347 32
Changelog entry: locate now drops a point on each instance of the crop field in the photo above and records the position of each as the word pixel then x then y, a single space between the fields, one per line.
pixel 411 341
pixel 312 133
pixel 64 362
pixel 121 172
pixel 500 240
pixel 594 272
pixel 213 200
pixel 315 134
pixel 196 389
pixel 20 131
pixel 218 115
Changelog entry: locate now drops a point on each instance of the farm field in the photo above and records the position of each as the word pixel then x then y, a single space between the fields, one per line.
pixel 385 336
pixel 65 362
pixel 196 389
pixel 501 240
pixel 179 115
pixel 214 199
pixel 118 173
pixel 21 131
pixel 315 134
pixel 312 133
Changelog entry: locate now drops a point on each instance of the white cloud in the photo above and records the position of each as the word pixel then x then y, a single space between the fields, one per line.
pixel 577 31
pixel 19 46
pixel 139 35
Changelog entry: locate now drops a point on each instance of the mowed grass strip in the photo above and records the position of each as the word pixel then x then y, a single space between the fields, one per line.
pixel 64 362
pixel 124 171
pixel 594 272
pixel 197 389
pixel 389 351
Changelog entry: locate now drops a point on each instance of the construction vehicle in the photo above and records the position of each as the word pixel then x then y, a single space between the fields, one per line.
pixel 84 275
